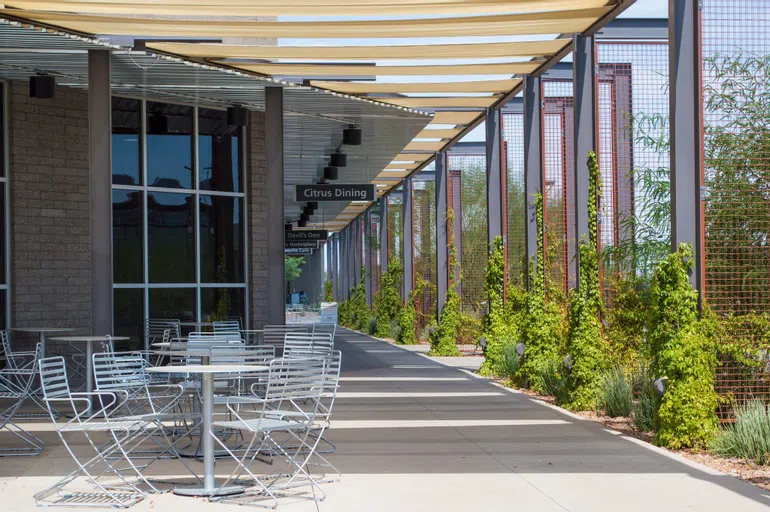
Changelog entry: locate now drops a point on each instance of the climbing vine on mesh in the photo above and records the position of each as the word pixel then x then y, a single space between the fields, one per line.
pixel 443 339
pixel 387 302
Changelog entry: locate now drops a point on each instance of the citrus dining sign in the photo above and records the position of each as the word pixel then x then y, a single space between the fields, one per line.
pixel 335 192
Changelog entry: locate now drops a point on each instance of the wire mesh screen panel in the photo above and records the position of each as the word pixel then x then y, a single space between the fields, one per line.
pixel 374 247
pixel 635 213
pixel 513 140
pixel 736 108
pixel 396 226
pixel 559 204
pixel 425 252
pixel 472 246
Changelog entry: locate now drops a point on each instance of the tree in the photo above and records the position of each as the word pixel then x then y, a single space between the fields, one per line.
pixel 292 268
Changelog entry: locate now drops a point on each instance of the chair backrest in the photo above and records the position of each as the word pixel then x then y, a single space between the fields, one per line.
pixel 227 326
pixel 331 384
pixel 119 370
pixel 209 340
pixel 53 377
pixel 307 345
pixel 6 349
pixel 274 335
pixel 296 379
pixel 325 327
pixel 155 329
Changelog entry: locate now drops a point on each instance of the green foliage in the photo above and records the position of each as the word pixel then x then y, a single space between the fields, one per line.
pixel 387 302
pixel 510 361
pixel 585 343
pixel 371 326
pixel 473 190
pixel 293 267
pixel 553 381
pixel 328 292
pixel 643 412
pixel 617 396
pixel 749 437
pixel 469 330
pixel 542 326
pixel 344 314
pixel 443 342
pixel 359 309
pixel 407 317
pixel 683 350
pixel 394 330
pixel 497 327
pixel 626 320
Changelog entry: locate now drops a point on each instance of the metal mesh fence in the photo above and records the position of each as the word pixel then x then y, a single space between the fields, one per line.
pixel 396 225
pixel 374 247
pixel 513 140
pixel 736 108
pixel 558 129
pixel 633 158
pixel 472 243
pixel 425 250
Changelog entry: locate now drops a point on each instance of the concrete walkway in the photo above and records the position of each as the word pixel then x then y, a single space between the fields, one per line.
pixel 414 435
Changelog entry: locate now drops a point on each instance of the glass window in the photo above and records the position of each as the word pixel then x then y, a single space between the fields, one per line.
pixel 178 303
pixel 3 309
pixel 127 247
pixel 219 162
pixel 221 236
pixel 171 237
pixel 169 145
pixel 126 129
pixel 3 234
pixel 129 316
pixel 222 304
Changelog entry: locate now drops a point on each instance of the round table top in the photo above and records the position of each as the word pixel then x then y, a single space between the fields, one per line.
pixel 43 329
pixel 90 338
pixel 208 368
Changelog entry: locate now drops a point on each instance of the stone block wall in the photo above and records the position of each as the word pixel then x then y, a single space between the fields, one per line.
pixel 257 205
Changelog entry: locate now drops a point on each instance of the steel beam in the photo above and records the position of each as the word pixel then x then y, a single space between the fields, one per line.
pixel 442 229
pixel 534 173
pixel 585 136
pixel 686 113
pixel 276 285
pixel 100 186
pixel 495 175
pixel 408 238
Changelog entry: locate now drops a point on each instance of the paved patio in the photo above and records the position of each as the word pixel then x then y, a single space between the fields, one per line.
pixel 413 434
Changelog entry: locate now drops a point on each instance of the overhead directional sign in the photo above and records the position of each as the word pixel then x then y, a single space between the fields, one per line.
pixel 300 244
pixel 307 234
pixel 335 192
pixel 298 250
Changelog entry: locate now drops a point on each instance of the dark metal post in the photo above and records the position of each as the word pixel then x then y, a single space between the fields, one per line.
pixel 368 257
pixel 408 238
pixel 686 113
pixel 442 228
pixel 584 72
pixel 384 236
pixel 495 177
pixel 100 183
pixel 534 175
pixel 276 285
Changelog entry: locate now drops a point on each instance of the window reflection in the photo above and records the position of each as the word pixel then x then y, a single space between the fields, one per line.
pixel 221 236
pixel 129 316
pixel 178 303
pixel 3 234
pixel 169 145
pixel 171 237
pixel 219 163
pixel 127 248
pixel 126 126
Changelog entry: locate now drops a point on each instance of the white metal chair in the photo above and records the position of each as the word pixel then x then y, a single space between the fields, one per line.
pixel 227 326
pixel 156 327
pixel 307 345
pixel 121 432
pixel 22 361
pixel 16 387
pixel 273 335
pixel 287 414
pixel 325 328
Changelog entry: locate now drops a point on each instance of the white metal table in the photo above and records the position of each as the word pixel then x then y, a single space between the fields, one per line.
pixel 89 341
pixel 42 331
pixel 207 370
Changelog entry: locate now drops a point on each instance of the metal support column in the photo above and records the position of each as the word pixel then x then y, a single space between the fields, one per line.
pixel 276 286
pixel 368 257
pixel 686 113
pixel 584 73
pixel 534 175
pixel 408 238
pixel 495 175
pixel 100 183
pixel 349 264
pixel 384 228
pixel 442 229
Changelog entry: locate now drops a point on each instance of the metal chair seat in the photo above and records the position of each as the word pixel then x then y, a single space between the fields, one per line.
pixel 263 424
pixel 104 426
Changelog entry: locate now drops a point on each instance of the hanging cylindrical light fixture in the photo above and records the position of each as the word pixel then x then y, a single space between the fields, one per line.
pixel 288 226
pixel 313 205
pixel 237 116
pixel 338 159
pixel 352 136
pixel 331 173
pixel 301 223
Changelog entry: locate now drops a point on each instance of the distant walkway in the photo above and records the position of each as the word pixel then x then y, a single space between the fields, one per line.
pixel 413 435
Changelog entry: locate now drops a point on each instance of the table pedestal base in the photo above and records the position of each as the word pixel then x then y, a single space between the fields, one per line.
pixel 201 491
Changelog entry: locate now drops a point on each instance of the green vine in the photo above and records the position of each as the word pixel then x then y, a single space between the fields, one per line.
pixel 498 328
pixel 387 301
pixel 407 317
pixel 359 309
pixel 543 322
pixel 585 344
pixel 683 350
pixel 328 292
pixel 443 340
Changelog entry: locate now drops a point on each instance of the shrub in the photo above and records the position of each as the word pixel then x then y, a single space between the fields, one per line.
pixel 643 411
pixel 394 330
pixel 371 326
pixel 469 330
pixel 387 302
pixel 359 309
pixel 749 437
pixel 443 342
pixel 617 396
pixel 510 361
pixel 626 320
pixel 683 350
pixel 585 343
pixel 328 292
pixel 407 320
pixel 495 324
pixel 552 380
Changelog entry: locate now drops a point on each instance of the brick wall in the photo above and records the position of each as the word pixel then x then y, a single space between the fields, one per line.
pixel 50 242
pixel 257 190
